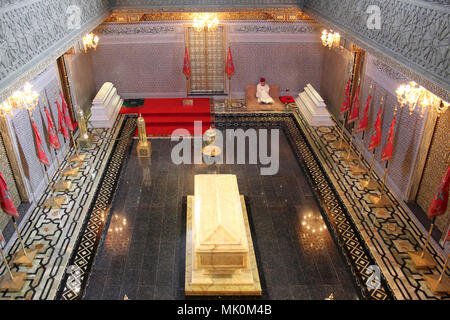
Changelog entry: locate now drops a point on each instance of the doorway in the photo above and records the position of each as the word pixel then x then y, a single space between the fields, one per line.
pixel 207 57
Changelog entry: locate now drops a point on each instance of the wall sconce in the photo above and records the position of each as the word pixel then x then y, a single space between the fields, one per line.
pixel 416 96
pixel 330 39
pixel 20 99
pixel 90 41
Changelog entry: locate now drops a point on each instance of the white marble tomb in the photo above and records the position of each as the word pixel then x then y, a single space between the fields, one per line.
pixel 220 259
pixel 105 106
pixel 313 107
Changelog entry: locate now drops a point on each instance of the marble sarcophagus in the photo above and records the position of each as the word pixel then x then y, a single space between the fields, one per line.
pixel 220 259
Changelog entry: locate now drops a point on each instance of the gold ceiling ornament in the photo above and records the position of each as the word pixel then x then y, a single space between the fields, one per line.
pixel 330 39
pixel 20 99
pixel 206 22
pixel 417 97
pixel 90 41
pixel 223 14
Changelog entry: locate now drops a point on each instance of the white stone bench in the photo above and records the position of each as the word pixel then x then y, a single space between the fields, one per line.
pixel 313 108
pixel 105 106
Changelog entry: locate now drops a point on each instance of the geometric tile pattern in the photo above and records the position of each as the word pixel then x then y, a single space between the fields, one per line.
pixel 58 230
pixel 83 255
pixel 389 233
pixel 334 212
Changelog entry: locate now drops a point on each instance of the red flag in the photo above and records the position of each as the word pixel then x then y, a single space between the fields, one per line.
pixel 439 204
pixel 40 148
pixel 52 136
pixel 6 201
pixel 229 68
pixel 346 104
pixel 67 119
pixel 386 153
pixel 354 114
pixel 61 127
pixel 375 139
pixel 187 65
pixel 364 122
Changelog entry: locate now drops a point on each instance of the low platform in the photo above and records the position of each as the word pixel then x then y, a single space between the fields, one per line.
pixel 163 116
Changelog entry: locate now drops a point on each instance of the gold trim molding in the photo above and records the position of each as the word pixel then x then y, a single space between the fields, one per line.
pixel 266 14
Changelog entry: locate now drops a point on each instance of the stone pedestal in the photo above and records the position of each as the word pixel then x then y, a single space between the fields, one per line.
pixel 313 108
pixel 105 106
pixel 220 259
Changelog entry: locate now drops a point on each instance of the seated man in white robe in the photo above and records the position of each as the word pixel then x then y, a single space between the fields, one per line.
pixel 262 92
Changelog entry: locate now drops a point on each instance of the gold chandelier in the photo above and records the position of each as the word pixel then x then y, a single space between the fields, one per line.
pixel 416 96
pixel 206 22
pixel 21 99
pixel 90 41
pixel 330 39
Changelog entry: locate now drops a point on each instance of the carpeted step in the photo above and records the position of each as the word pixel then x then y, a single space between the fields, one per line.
pixel 168 129
pixel 170 106
pixel 163 116
pixel 176 119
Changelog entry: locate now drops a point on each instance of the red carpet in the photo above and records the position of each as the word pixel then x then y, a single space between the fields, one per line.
pixel 163 116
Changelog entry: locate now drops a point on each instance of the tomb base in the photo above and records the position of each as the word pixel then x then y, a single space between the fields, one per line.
pixel 204 283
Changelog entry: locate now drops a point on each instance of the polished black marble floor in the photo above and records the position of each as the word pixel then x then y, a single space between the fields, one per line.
pixel 142 254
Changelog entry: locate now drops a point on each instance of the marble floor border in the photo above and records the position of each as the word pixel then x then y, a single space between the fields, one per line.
pixel 388 232
pixel 74 282
pixel 56 230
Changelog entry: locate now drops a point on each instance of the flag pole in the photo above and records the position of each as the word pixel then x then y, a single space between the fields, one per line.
pixel 18 257
pixel 70 171
pixel 14 281
pixel 350 156
pixel 358 169
pixel 422 259
pixel 60 185
pixel 369 183
pixel 229 92
pixel 382 201
pixel 7 265
pixel 444 269
pixel 67 146
pixel 24 257
pixel 78 157
pixel 341 144
pixel 19 237
pixel 52 202
pixel 229 78
pixel 439 284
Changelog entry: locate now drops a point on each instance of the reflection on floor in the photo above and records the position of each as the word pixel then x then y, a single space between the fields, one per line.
pixel 144 249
